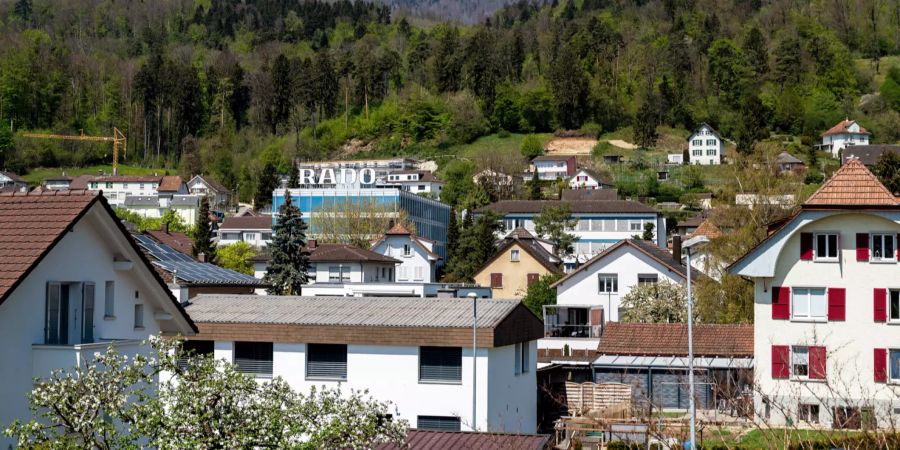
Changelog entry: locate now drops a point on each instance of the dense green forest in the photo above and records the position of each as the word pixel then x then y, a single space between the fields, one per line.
pixel 227 86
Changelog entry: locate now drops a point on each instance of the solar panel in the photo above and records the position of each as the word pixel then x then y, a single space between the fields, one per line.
pixel 161 252
pixel 187 269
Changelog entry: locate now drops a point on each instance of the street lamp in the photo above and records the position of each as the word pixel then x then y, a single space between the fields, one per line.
pixel 474 298
pixel 693 242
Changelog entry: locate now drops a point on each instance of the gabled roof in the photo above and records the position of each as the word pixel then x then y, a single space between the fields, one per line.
pixel 708 229
pixel 595 175
pixel 842 127
pixel 577 207
pixel 15 178
pixel 670 339
pixel 177 266
pixel 867 154
pixel 787 158
pixel 648 248
pixel 852 185
pixel 711 129
pixel 553 157
pixel 693 221
pixel 526 241
pixel 175 239
pixel 170 183
pixel 346 253
pixel 31 224
pixel 400 230
pixel 247 223
pixel 210 182
pixel 453 440
pixel 587 195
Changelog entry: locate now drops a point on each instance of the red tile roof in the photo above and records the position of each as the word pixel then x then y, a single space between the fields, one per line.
pixel 398 230
pixel 852 185
pixel 170 184
pixel 177 240
pixel 842 128
pixel 247 223
pixel 30 225
pixel 708 229
pixel 454 440
pixel 670 339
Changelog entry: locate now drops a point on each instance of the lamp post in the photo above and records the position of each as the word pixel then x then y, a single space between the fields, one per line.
pixel 474 298
pixel 699 240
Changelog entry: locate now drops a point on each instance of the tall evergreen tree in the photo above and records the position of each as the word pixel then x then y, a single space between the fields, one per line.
pixel 570 88
pixel 23 9
pixel 452 237
pixel 203 242
pixel 756 51
pixel 282 90
pixel 289 264
pixel 534 187
pixel 268 182
pixel 294 180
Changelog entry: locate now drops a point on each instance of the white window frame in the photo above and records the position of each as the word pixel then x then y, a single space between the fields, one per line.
pixel 711 142
pixel 697 152
pixel 794 349
pixel 826 258
pixel 805 418
pixel 711 152
pixel 808 299
pixel 893 239
pixel 514 255
pixel 407 250
pixel 890 373
pixel 604 280
pixel 647 276
pixel 639 223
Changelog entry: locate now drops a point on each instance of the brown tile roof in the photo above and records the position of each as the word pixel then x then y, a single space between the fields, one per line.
pixel 580 195
pixel 708 229
pixel 398 230
pixel 579 207
pixel 177 240
pixel 170 183
pixel 553 157
pixel 346 252
pixel 852 185
pixel 670 339
pixel 842 126
pixel 247 223
pixel 693 221
pixel 454 440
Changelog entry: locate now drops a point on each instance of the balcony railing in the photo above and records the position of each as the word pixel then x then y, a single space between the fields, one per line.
pixel 47 357
pixel 572 321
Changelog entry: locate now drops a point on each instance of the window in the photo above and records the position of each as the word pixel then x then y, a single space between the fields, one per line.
pixel 826 246
pixel 697 152
pixel 267 236
pixel 894 305
pixel 142 186
pixel 251 236
pixel 636 226
pixel 514 255
pixel 883 247
pixel 710 152
pixel 438 423
pixel 522 358
pixel 421 187
pixel 608 283
pixel 711 142
pixel 337 274
pixel 231 236
pixel 649 278
pixel 138 316
pixel 93 185
pixel 406 250
pixel 56 328
pixel 440 364
pixel 87 312
pixel 800 361
pixel 894 365
pixel 191 349
pixel 809 304
pixel 697 142
pixel 496 280
pixel 254 357
pixel 327 361
pixel 109 185
pixel 109 306
pixel 808 413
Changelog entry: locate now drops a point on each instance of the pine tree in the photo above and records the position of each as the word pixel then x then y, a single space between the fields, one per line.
pixel 534 187
pixel 268 182
pixel 288 267
pixel 23 9
pixel 203 235
pixel 294 180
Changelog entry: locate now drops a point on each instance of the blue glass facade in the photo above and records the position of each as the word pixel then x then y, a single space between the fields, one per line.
pixel 430 217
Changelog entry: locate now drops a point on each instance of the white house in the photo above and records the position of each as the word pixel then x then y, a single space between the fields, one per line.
pixel 675 158
pixel 72 281
pixel 705 146
pixel 600 223
pixel 415 353
pixel 551 167
pixel 588 179
pixel 57 182
pixel 827 299
pixel 416 181
pixel 343 263
pixel 416 255
pixel 846 133
pixel 255 230
pixel 205 186
pixel 12 181
pixel 149 196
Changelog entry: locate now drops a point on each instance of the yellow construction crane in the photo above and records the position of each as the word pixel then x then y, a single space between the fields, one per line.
pixel 118 138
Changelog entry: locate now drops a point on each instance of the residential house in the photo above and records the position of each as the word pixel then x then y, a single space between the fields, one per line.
pixel 845 133
pixel 417 182
pixel 219 196
pixel 72 282
pixel 254 230
pixel 552 167
pixel 177 240
pixel 788 163
pixel 344 263
pixel 588 179
pixel 57 182
pixel 675 159
pixel 705 146
pixel 687 226
pixel 519 261
pixel 599 223
pixel 826 296
pixel 149 196
pixel 868 154
pixel 415 353
pixel 578 195
pixel 418 261
pixel 12 182
pixel 701 259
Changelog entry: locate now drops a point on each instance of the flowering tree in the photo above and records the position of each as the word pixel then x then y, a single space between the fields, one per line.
pixel 171 401
pixel 656 302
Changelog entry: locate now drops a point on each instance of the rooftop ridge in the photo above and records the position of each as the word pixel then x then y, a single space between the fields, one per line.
pixel 852 185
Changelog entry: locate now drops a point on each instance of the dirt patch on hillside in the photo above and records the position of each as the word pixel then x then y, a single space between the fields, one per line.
pixel 570 146
pixel 352 147
pixel 622 144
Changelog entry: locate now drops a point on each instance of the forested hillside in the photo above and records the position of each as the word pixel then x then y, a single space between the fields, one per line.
pixel 226 86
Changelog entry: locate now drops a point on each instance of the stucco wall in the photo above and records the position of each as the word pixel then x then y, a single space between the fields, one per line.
pixel 515 274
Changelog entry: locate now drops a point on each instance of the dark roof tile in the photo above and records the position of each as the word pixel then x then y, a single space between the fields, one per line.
pixel 670 339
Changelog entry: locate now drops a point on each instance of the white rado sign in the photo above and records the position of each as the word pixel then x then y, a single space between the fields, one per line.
pixel 341 176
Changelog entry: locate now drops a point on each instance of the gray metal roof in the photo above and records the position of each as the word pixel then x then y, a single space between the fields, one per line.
pixel 185 200
pixel 142 200
pixel 403 312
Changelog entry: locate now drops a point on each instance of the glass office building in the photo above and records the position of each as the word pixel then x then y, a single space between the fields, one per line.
pixel 431 217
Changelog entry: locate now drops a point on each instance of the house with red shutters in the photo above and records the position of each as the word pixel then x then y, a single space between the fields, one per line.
pixel 827 308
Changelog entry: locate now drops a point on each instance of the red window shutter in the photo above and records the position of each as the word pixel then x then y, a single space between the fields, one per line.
pixel 781 355
pixel 837 303
pixel 596 316
pixel 880 305
pixel 496 280
pixel 781 303
pixel 817 359
pixel 880 364
pixel 862 246
pixel 532 278
pixel 806 246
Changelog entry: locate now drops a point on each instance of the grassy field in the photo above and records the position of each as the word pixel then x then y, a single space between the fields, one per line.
pixel 764 439
pixel 35 176
pixel 886 63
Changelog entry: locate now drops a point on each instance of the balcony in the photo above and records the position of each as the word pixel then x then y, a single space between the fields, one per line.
pixel 47 357
pixel 572 321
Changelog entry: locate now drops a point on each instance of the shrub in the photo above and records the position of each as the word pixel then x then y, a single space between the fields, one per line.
pixel 531 146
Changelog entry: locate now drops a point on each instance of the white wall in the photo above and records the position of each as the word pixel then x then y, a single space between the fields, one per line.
pixel 512 398
pixel 849 344
pixel 837 142
pixel 710 147
pixel 253 237
pixel 415 266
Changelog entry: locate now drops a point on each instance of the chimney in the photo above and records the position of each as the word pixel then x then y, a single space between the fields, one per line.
pixel 311 244
pixel 165 227
pixel 676 247
pixel 201 257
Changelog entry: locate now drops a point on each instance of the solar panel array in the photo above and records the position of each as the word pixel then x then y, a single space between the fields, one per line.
pixel 187 269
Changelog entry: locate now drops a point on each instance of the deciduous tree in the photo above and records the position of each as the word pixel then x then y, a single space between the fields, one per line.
pixel 554 224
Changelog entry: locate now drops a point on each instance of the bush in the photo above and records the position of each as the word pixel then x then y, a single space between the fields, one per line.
pixel 503 134
pixel 813 177
pixel 591 129
pixel 531 146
